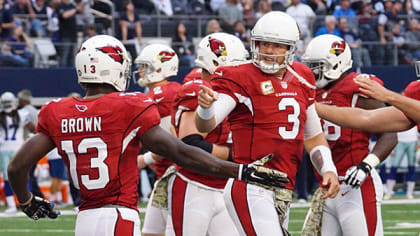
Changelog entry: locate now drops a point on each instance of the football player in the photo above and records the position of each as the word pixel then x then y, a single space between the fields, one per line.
pixel 357 208
pixel 99 137
pixel 13 123
pixel 156 63
pixel 196 203
pixel 270 107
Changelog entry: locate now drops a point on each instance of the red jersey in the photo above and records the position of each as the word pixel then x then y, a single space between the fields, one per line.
pixel 187 100
pixel 99 139
pixel 194 74
pixel 163 96
pixel 269 115
pixel 413 91
pixel 348 146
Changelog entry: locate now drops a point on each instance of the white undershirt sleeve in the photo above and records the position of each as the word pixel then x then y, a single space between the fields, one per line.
pixel 313 124
pixel 223 106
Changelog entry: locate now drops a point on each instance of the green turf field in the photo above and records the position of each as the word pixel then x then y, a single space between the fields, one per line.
pixel 399 219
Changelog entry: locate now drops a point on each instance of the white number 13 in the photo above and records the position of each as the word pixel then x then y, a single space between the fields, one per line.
pixel 95 162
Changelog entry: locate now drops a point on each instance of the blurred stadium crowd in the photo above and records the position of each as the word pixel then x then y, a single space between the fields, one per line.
pixel 44 33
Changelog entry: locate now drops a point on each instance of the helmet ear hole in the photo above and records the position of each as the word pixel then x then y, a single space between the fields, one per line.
pixel 215 63
pixel 159 70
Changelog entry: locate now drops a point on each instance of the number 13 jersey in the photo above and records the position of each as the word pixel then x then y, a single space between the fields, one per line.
pixel 99 139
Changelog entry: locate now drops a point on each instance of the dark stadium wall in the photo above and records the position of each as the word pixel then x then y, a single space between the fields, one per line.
pixel 61 81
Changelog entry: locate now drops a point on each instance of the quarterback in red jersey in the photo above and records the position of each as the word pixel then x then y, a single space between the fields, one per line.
pixel 197 206
pixel 329 57
pixel 270 107
pixel 156 63
pixel 99 137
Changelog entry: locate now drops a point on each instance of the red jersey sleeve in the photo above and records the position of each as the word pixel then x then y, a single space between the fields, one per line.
pixel 224 81
pixel 42 126
pixel 148 115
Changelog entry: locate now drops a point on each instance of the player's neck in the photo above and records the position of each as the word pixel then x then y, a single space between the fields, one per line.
pixel 99 90
pixel 279 74
pixel 159 83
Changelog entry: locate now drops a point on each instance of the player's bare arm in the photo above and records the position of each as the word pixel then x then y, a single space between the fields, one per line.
pixel 356 175
pixel 190 135
pixel 28 155
pixel 160 142
pixel 409 106
pixel 387 119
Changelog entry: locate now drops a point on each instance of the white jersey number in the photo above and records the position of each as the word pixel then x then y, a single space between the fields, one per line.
pixel 331 131
pixel 97 162
pixel 292 118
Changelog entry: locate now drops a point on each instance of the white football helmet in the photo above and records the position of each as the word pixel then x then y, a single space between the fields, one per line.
pixel 156 63
pixel 328 56
pixel 103 59
pixel 275 27
pixel 418 68
pixel 8 102
pixel 220 49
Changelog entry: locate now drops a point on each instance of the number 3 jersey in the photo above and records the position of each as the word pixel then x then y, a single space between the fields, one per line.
pixel 270 114
pixel 99 139
pixel 348 146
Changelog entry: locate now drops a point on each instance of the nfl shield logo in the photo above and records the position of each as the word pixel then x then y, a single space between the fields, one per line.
pixel 283 84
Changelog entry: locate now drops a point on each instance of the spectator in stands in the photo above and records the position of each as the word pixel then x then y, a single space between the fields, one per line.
pixel 329 28
pixel 20 45
pixel 24 13
pixel 412 37
pixel 164 7
pixel 90 31
pixel 183 46
pixel 213 26
pixel 40 8
pixel 360 55
pixel 399 42
pixel 131 31
pixel 249 13
pixel 67 32
pixel 344 10
pixel 263 8
pixel 243 34
pixel 84 16
pixel 142 6
pixel 386 22
pixel 52 21
pixel 103 16
pixel 229 13
pixel 318 6
pixel 416 6
pixel 7 22
pixel 303 15
pixel 279 5
pixel 181 7
pixel 216 4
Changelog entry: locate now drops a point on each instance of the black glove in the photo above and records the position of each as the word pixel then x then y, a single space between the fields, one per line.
pixel 356 175
pixel 39 208
pixel 257 173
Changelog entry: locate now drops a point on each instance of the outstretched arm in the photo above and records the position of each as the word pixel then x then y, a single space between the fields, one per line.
pixel 387 119
pixel 160 142
pixel 409 106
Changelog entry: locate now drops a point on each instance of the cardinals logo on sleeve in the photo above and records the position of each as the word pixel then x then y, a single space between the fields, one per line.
pixel 115 52
pixel 338 47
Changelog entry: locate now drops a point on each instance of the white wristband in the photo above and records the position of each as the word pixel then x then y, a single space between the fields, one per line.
pixel 322 160
pixel 372 160
pixel 241 166
pixel 205 113
pixel 148 159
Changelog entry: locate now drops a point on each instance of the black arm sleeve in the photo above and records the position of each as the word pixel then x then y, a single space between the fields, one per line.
pixel 198 141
